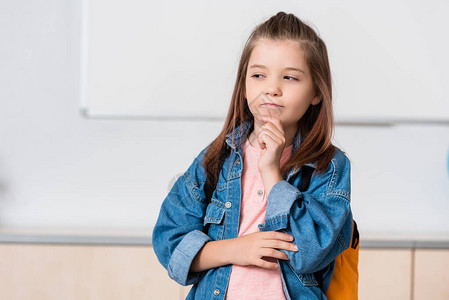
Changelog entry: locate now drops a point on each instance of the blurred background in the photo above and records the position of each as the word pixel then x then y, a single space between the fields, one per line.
pixel 105 103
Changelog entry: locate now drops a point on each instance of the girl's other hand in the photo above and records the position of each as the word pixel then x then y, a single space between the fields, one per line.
pixel 260 249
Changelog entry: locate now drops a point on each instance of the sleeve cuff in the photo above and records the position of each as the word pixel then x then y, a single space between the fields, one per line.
pixel 179 265
pixel 279 202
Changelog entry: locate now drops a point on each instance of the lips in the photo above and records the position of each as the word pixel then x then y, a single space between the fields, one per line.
pixel 272 105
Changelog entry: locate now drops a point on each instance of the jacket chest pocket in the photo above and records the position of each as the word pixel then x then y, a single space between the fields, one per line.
pixel 214 220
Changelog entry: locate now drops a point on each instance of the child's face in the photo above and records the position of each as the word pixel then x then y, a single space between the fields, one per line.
pixel 275 84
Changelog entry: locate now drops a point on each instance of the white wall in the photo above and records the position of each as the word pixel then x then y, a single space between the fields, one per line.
pixel 60 169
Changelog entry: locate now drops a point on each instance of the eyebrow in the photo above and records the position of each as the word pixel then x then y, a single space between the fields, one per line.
pixel 288 68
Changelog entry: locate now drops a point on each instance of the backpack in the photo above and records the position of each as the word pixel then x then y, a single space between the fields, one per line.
pixel 345 278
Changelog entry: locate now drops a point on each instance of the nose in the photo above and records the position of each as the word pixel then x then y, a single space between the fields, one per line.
pixel 273 89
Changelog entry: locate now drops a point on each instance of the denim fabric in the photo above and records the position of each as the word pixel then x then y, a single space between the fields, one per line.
pixel 320 220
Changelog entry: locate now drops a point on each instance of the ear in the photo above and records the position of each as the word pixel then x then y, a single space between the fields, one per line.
pixel 316 100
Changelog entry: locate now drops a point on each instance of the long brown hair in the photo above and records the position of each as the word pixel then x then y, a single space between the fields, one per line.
pixel 317 124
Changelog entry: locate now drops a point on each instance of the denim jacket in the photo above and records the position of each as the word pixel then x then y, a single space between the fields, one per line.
pixel 320 219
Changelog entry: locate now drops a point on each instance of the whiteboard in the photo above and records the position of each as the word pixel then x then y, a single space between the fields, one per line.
pixel 162 59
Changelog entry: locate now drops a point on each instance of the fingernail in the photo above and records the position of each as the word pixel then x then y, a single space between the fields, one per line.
pixel 295 247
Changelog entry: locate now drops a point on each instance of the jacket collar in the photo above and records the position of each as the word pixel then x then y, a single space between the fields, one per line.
pixel 241 132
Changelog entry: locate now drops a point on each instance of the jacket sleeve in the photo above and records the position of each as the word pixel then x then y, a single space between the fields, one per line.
pixel 320 219
pixel 177 235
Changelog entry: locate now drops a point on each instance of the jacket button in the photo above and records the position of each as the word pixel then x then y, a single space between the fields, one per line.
pixel 260 192
pixel 216 292
pixel 228 204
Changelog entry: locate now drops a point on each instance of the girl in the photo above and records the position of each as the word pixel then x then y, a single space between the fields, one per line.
pixel 235 224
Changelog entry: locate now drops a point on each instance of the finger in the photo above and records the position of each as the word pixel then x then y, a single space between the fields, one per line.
pixel 269 139
pixel 270 252
pixel 266 264
pixel 272 128
pixel 279 244
pixel 276 235
pixel 276 121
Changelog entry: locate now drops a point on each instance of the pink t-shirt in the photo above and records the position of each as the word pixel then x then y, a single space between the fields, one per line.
pixel 252 282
